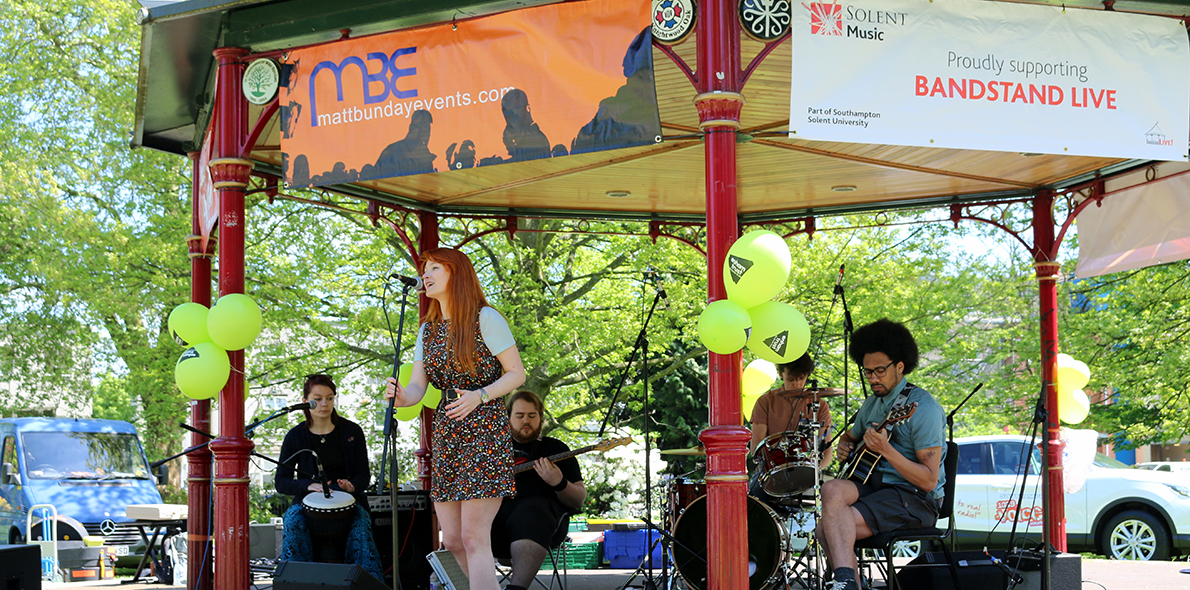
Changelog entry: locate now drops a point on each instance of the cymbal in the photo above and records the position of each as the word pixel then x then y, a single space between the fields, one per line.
pixel 690 452
pixel 822 392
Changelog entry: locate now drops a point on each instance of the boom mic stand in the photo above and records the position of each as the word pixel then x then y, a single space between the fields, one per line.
pixel 390 434
pixel 642 344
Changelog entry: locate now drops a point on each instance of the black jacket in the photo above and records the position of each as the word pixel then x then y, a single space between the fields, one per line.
pixel 355 452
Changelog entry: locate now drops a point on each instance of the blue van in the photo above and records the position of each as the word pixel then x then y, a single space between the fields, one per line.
pixel 89 470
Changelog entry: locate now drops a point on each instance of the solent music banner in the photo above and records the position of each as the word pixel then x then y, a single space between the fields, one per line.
pixel 991 76
pixel 534 83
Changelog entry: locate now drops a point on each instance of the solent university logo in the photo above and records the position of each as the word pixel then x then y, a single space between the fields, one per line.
pixel 825 19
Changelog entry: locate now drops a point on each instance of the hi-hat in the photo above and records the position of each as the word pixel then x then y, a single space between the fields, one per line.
pixel 690 452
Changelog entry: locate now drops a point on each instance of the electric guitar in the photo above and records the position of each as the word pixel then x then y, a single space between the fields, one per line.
pixel 522 464
pixel 862 462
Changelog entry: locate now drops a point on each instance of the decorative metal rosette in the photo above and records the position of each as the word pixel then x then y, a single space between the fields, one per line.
pixel 764 20
pixel 673 20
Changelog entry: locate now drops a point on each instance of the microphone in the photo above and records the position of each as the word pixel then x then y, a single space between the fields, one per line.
pixel 414 282
pixel 839 280
pixel 652 276
pixel 326 486
pixel 306 405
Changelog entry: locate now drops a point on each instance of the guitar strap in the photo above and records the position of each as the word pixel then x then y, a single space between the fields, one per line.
pixel 902 399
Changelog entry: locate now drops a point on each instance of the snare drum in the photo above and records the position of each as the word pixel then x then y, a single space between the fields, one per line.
pixel 786 463
pixel 329 521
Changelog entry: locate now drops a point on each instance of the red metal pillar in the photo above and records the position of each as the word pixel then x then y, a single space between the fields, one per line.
pixel 198 481
pixel 1045 252
pixel 719 103
pixel 428 240
pixel 230 173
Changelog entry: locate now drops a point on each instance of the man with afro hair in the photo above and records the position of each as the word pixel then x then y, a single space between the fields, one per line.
pixel 906 488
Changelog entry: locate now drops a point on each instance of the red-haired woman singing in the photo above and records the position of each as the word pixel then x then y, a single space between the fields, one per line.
pixel 466 349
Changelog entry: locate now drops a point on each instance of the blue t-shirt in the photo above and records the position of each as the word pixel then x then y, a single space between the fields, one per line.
pixel 926 428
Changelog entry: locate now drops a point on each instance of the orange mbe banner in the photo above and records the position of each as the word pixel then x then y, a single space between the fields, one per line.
pixel 534 83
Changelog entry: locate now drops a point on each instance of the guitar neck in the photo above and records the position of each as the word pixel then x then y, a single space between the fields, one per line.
pixel 527 465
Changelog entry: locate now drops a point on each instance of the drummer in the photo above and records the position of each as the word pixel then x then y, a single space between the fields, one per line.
pixel 783 409
pixel 340 448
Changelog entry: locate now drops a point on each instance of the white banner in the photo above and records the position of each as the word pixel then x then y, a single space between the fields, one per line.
pixel 991 76
pixel 1135 228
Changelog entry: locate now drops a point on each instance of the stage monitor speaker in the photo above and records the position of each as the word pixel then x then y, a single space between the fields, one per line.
pixel 929 571
pixel 976 572
pixel 20 567
pixel 416 527
pixel 301 575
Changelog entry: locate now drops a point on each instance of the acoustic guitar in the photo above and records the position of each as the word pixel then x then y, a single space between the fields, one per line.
pixel 862 462
pixel 522 464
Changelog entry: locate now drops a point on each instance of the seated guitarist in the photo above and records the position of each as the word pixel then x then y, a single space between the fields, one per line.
pixel 905 487
pixel 527 524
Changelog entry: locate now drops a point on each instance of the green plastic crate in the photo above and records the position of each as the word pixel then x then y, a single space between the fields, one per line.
pixel 581 556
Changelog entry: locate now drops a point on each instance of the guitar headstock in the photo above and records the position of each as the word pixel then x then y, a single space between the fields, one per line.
pixel 901 414
pixel 611 443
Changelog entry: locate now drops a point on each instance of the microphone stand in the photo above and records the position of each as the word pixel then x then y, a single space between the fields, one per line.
pixel 642 344
pixel 950 430
pixel 390 439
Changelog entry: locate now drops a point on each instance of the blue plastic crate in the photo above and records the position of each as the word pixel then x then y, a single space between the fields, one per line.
pixel 626 549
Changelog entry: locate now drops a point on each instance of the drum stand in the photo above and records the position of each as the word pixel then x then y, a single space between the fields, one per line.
pixel 808 566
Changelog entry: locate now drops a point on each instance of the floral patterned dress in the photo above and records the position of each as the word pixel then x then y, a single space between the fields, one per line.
pixel 472 457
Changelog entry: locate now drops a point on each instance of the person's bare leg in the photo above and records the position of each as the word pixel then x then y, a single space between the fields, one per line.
pixel 450 520
pixel 477 541
pixel 842 524
pixel 527 557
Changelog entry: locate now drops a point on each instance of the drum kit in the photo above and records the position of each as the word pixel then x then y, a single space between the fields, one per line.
pixel 782 552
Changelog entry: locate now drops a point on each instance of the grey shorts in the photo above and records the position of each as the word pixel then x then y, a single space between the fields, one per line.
pixel 894 507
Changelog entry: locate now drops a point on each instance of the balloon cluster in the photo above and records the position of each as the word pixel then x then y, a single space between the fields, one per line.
pixel 755 271
pixel 232 324
pixel 429 400
pixel 1072 376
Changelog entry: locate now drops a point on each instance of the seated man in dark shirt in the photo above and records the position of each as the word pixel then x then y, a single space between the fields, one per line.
pixel 527 525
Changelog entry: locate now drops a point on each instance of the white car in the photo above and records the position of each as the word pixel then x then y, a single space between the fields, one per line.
pixel 1174 466
pixel 1120 512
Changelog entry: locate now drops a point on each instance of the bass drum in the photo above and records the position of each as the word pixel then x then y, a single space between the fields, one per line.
pixel 766 545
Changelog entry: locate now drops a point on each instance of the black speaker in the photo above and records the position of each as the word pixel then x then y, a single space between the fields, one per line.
pixel 415 527
pixel 20 567
pixel 301 575
pixel 929 571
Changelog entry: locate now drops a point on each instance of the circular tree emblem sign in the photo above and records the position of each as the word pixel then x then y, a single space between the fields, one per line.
pixel 765 20
pixel 673 20
pixel 260 81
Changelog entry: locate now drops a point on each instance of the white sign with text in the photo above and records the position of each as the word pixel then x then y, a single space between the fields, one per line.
pixel 991 76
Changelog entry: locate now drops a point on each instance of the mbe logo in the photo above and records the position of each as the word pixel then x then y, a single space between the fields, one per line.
pixel 825 19
pixel 738 266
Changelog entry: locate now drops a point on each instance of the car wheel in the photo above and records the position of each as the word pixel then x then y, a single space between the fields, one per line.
pixel 1135 535
pixel 910 549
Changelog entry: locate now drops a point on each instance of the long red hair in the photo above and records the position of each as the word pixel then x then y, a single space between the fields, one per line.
pixel 465 298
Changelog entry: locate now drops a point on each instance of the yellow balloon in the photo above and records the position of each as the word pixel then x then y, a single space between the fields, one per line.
pixel 724 326
pixel 758 376
pixel 756 268
pixel 748 403
pixel 408 413
pixel 1071 374
pixel 780 333
pixel 1073 408
pixel 432 397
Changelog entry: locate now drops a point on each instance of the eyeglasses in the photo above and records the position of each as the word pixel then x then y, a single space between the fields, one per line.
pixel 878 371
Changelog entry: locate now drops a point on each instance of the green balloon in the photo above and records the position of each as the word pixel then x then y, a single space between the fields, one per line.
pixel 202 371
pixel 188 324
pixel 780 333
pixel 756 268
pixel 234 321
pixel 408 413
pixel 723 327
pixel 433 396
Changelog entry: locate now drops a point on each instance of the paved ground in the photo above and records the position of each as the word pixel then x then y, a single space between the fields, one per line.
pixel 1096 573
